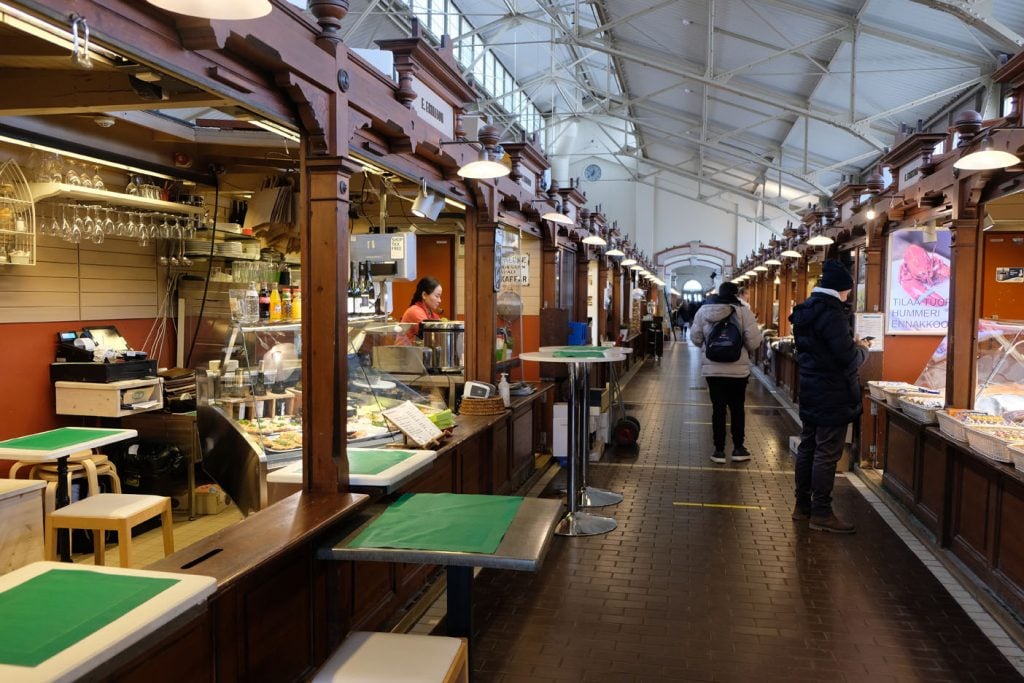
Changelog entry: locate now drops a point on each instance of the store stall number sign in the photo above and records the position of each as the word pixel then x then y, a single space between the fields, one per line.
pixel 515 269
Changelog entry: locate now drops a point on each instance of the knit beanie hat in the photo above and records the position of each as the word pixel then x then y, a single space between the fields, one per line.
pixel 835 276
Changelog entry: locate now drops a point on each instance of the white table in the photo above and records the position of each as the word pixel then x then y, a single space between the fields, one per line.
pixel 389 479
pixel 56 445
pixel 91 652
pixel 578 494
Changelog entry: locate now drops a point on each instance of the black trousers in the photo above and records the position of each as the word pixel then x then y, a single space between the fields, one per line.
pixel 820 449
pixel 727 392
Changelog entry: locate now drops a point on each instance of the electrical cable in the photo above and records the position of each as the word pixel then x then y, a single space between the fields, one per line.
pixel 209 270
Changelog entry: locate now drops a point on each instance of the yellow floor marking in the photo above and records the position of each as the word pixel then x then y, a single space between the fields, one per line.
pixel 721 505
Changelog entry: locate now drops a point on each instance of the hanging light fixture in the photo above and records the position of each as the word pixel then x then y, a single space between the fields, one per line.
pixel 556 216
pixel 986 158
pixel 820 241
pixel 484 168
pixel 751 273
pixel 628 261
pixel 773 262
pixel 594 237
pixel 871 213
pixel 219 9
pixel 614 251
pixel 790 253
pixel 427 204
pixel 761 269
pixel 778 280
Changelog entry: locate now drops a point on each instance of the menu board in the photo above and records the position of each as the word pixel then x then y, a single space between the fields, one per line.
pixel 917 300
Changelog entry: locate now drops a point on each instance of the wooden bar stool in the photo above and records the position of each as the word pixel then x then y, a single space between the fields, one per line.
pixel 111 512
pixel 366 657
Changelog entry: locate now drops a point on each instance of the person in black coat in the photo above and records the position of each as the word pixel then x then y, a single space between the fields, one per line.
pixel 828 359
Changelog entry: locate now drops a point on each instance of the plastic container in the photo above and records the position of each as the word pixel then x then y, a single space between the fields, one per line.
pixel 504 390
pixel 577 334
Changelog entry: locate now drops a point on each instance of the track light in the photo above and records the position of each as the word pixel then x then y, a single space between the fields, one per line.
pixel 427 204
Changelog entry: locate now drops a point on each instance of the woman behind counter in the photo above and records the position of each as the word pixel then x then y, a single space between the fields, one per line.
pixel 425 305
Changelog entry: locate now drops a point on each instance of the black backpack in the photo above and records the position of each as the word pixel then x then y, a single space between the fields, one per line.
pixel 725 343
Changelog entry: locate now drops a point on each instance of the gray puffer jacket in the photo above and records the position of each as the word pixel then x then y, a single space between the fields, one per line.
pixel 704 321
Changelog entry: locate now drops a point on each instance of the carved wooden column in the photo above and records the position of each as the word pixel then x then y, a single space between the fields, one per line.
pixel 616 313
pixel 768 288
pixel 801 281
pixel 785 298
pixel 480 296
pixel 549 276
pixel 579 312
pixel 873 295
pixel 602 314
pixel 964 303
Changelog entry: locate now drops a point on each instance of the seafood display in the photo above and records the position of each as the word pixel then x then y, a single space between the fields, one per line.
pixel 920 273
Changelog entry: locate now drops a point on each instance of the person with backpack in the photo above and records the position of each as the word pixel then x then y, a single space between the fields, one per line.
pixel 828 359
pixel 728 330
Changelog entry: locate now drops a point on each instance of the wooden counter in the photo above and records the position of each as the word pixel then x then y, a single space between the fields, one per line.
pixel 971 504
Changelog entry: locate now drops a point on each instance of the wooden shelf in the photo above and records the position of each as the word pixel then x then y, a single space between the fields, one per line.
pixel 42 191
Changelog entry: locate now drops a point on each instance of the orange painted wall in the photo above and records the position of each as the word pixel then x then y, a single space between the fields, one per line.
pixel 529 342
pixel 1004 300
pixel 906 355
pixel 27 400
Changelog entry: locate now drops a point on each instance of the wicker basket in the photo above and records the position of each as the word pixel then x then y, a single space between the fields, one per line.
pixel 877 388
pixel 951 427
pixel 482 406
pixel 983 440
pixel 919 413
pixel 1017 455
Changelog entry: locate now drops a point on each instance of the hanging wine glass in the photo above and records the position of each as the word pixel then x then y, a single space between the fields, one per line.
pixel 97 179
pixel 71 175
pixel 84 178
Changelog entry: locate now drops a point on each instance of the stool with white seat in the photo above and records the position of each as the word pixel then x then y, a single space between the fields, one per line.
pixel 366 657
pixel 111 512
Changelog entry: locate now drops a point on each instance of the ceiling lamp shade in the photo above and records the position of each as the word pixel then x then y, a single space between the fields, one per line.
pixel 636 266
pixel 595 239
pixel 790 253
pixel 773 262
pixel 219 9
pixel 761 269
pixel 614 251
pixel 751 273
pixel 556 216
pixel 484 168
pixel 820 241
pixel 986 158
pixel 778 280
pixel 628 261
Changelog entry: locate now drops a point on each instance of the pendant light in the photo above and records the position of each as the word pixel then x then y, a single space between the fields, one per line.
pixel 986 158
pixel 626 262
pixel 773 262
pixel 820 241
pixel 555 216
pixel 594 238
pixel 790 253
pixel 614 251
pixel 216 9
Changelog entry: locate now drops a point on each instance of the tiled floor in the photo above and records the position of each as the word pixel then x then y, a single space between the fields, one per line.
pixel 707 579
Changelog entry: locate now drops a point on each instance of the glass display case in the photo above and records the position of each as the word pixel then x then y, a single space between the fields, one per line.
pixel 999 368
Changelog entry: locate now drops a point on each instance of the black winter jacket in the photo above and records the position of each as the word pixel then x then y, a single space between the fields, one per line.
pixel 828 360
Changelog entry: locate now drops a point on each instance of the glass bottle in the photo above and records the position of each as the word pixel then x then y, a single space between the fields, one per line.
pixel 251 306
pixel 264 301
pixel 296 303
pixel 286 303
pixel 275 303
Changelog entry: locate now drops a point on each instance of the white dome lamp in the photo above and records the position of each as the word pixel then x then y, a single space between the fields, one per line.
pixel 219 9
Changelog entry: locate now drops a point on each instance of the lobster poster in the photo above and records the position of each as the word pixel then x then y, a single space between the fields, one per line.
pixel 918 282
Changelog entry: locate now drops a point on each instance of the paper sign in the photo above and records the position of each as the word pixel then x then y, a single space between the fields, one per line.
pixel 918 282
pixel 414 424
pixel 871 325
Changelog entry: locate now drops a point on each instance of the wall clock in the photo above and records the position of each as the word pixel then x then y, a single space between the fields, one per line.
pixel 592 172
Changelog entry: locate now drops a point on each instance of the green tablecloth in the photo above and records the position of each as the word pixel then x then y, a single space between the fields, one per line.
pixel 455 522
pixel 58 608
pixel 578 354
pixel 375 461
pixel 57 438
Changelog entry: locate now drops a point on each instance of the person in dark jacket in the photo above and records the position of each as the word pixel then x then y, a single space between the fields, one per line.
pixel 828 358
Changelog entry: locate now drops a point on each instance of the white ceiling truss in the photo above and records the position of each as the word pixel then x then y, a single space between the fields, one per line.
pixel 718 99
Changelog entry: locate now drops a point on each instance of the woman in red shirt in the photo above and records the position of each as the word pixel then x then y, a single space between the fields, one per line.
pixel 426 302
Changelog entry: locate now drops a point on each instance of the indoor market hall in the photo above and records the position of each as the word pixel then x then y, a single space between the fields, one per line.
pixel 706 577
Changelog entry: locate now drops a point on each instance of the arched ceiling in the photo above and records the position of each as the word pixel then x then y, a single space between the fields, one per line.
pixel 770 100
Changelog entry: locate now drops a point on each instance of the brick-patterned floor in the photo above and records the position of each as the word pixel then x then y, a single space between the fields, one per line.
pixel 685 593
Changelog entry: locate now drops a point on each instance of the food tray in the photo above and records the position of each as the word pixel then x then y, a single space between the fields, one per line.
pixel 994 442
pixel 919 412
pixel 877 388
pixel 951 426
pixel 1016 451
pixel 893 396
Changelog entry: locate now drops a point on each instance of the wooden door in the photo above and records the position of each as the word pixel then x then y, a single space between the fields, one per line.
pixel 435 257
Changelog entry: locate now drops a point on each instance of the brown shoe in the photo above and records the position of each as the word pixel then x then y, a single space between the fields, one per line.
pixel 801 514
pixel 832 524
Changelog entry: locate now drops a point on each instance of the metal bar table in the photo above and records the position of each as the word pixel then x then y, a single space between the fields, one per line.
pixel 522 548
pixel 576 522
pixel 56 445
pixel 591 496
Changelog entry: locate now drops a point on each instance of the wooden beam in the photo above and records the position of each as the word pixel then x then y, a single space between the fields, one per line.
pixel 77 92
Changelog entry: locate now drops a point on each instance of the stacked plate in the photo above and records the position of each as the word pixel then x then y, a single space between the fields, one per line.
pixel 229 249
pixel 251 250
pixel 197 247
